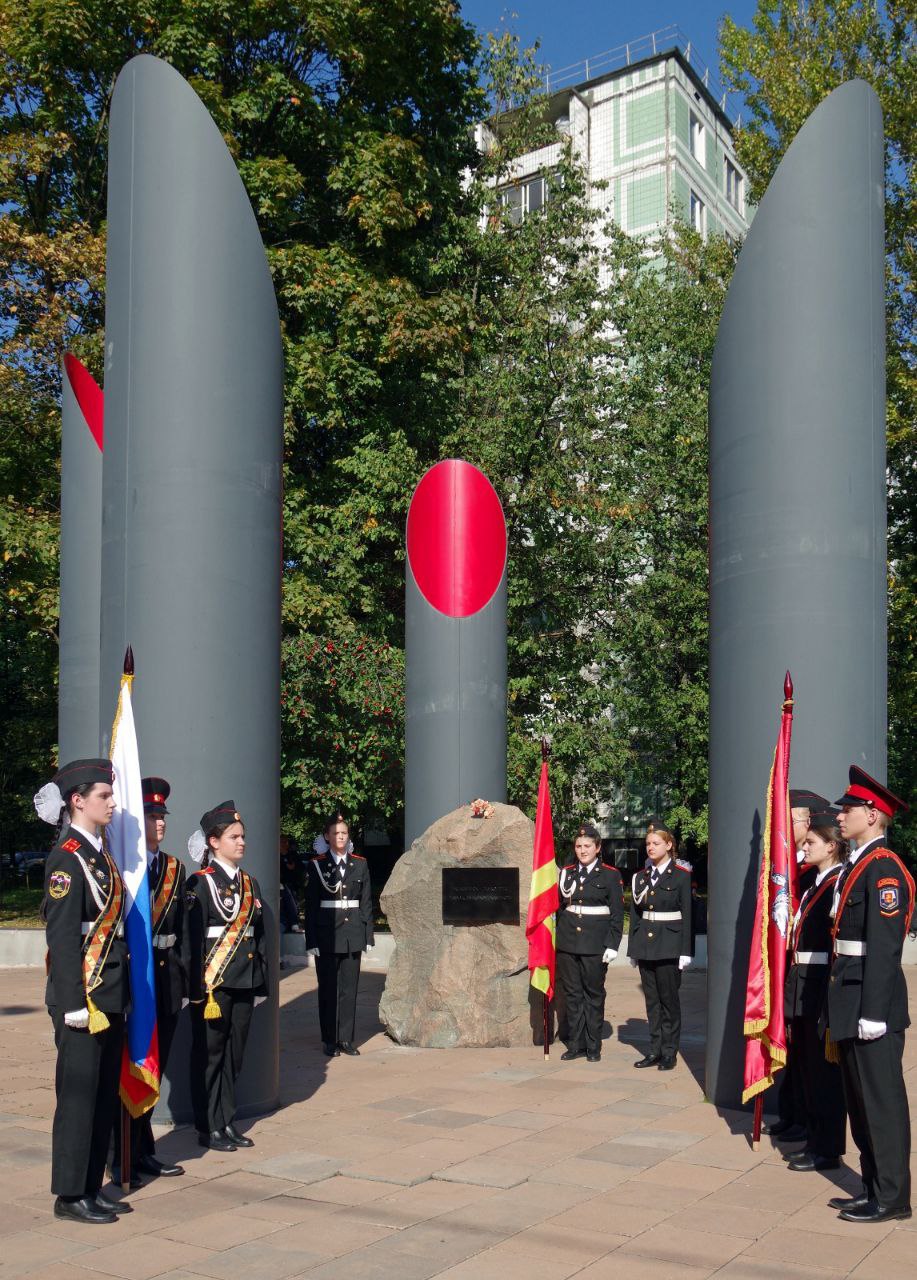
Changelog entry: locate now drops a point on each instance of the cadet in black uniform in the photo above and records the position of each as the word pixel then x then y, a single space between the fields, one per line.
pixel 166 875
pixel 867 1000
pixel 88 987
pixel 590 922
pixel 806 988
pixel 339 928
pixel 660 941
pixel 227 967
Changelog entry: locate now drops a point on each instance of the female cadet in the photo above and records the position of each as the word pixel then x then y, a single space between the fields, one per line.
pixel 660 941
pixel 88 985
pixel 805 993
pixel 590 922
pixel 226 963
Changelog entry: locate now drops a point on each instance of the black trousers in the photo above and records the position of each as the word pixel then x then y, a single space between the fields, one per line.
pixel 217 1050
pixel 582 979
pixel 86 1083
pixel 821 1089
pixel 791 1104
pixel 661 981
pixel 338 979
pixel 142 1141
pixel 879 1118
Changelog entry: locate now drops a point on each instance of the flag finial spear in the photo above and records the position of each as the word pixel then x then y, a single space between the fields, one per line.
pixel 128 661
pixel 788 686
pixel 545 749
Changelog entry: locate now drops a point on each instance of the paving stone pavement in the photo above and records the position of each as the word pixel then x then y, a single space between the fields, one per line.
pixel 482 1164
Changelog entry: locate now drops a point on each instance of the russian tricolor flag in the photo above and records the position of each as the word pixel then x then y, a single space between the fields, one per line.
pixel 127 845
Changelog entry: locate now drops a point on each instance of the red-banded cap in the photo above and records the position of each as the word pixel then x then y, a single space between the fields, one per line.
pixel 862 789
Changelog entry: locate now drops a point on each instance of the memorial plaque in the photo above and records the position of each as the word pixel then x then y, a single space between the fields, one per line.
pixel 480 895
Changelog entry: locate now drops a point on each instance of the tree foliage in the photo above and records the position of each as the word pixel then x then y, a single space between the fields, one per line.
pixel 791 58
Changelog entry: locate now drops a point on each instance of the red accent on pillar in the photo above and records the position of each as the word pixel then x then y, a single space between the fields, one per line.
pixel 456 538
pixel 88 396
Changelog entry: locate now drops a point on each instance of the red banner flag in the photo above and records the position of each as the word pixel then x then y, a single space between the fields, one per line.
pixel 765 1046
pixel 539 924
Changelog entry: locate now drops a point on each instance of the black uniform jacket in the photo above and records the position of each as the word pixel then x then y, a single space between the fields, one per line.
pixel 212 900
pixel 874 911
pixel 589 935
pixel 806 984
pixel 337 930
pixel 69 903
pixel 168 963
pixel 660 939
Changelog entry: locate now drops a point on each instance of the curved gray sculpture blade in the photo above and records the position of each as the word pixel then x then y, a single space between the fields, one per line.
pixel 455 645
pixel 80 557
pixel 192 486
pixel 797 507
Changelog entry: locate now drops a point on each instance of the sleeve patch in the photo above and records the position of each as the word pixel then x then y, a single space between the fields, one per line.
pixel 888 880
pixel 889 899
pixel 59 884
pixel 72 846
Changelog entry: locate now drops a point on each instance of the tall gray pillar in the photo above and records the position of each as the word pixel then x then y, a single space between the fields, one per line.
pixel 797 513
pixel 455 645
pixel 80 556
pixel 191 533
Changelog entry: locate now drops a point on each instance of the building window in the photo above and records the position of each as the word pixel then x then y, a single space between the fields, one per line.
pixel 523 198
pixel 698 214
pixel 698 140
pixel 734 186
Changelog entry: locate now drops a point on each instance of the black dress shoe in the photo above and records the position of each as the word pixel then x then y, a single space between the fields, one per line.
pixel 83 1210
pixel 785 1130
pixel 594 1057
pixel 851 1202
pixel 111 1206
pixel 346 1046
pixel 872 1211
pixel 649 1061
pixel 154 1168
pixel 216 1141
pixel 667 1064
pixel 331 1050
pixel 571 1054
pixel 810 1162
pixel 115 1172
pixel 233 1134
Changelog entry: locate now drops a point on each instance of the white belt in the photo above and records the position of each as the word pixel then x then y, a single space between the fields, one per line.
pixel 88 925
pixel 590 911
pixel 851 948
pixel 811 957
pixel 661 915
pixel 341 904
pixel 217 931
pixel 163 941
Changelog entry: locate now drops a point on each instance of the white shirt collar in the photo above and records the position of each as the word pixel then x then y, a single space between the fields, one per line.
pixel 95 841
pixel 855 853
pixel 820 875
pixel 339 857
pixel 658 869
pixel 584 871
pixel 230 870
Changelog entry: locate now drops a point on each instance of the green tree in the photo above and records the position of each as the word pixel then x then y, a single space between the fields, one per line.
pixel 791 58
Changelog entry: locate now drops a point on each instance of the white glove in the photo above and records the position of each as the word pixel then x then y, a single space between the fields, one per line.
pixel 867 1030
pixel 259 1000
pixel 312 951
pixel 185 1002
pixel 608 955
pixel 78 1019
pixel 633 963
pixel 369 946
pixel 683 962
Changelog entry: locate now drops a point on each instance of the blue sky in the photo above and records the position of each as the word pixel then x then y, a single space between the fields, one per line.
pixel 571 30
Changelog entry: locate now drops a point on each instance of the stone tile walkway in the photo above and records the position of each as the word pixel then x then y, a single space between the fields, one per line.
pixel 404 1164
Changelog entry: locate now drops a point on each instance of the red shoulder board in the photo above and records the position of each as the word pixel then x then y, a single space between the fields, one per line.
pixel 569 866
pixel 319 857
pixel 608 866
pixel 72 846
pixel 205 871
pixel 685 866
pixel 358 857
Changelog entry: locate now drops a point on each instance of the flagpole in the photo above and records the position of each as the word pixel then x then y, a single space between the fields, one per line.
pixel 545 1002
pixel 756 1125
pixel 126 1156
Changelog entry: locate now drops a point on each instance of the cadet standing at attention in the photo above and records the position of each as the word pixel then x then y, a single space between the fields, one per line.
pixel 867 1000
pixel 339 928
pixel 226 962
pixel 660 941
pixel 590 923
pixel 88 986
pixel 166 875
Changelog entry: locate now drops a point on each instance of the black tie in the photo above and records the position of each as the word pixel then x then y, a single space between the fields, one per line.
pixel 653 878
pixel 154 869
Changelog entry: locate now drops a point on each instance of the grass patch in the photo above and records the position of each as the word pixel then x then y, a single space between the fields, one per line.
pixel 19 907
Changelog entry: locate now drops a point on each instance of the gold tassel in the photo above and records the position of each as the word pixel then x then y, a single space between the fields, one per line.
pixel 97 1019
pixel 831 1053
pixel 211 1008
